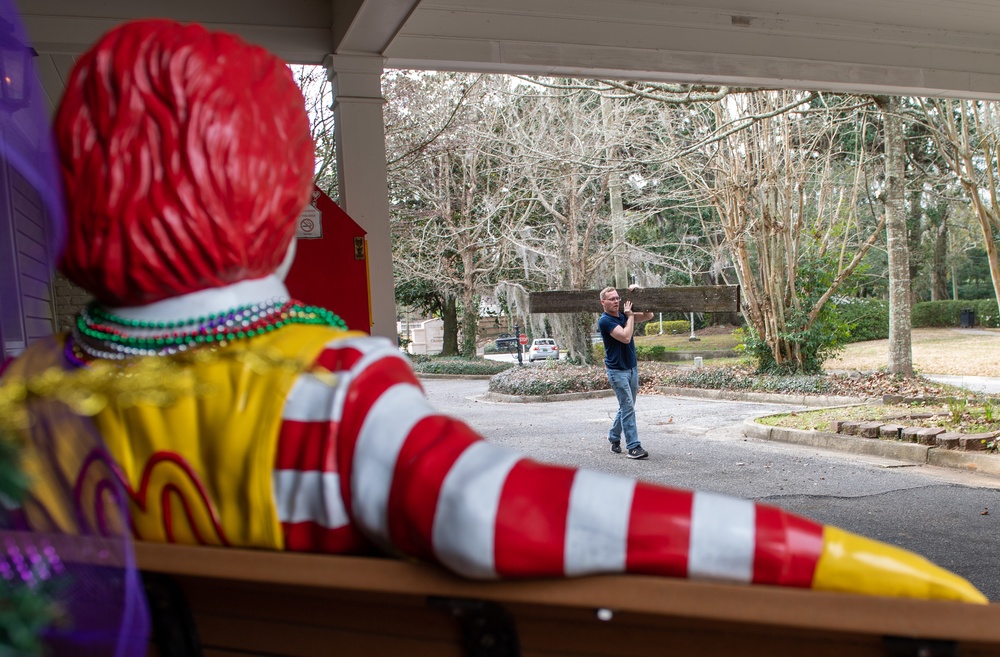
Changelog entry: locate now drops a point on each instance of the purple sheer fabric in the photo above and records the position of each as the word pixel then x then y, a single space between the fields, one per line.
pixel 91 570
pixel 26 140
pixel 93 573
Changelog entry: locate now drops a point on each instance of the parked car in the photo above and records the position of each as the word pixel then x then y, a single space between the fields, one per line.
pixel 542 348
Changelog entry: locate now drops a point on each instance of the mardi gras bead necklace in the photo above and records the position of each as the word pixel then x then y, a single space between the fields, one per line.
pixel 100 334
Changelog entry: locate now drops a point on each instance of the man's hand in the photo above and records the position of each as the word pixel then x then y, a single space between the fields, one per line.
pixel 627 308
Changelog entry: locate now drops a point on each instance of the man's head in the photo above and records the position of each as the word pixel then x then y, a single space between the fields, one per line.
pixel 610 300
pixel 186 156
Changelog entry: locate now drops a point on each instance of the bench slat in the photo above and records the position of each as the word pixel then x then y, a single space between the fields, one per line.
pixel 649 599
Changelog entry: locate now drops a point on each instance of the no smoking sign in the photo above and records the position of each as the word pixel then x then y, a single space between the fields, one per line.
pixel 309 225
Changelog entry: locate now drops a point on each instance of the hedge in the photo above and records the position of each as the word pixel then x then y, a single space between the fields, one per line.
pixel 671 327
pixel 457 365
pixel 868 319
pixel 949 313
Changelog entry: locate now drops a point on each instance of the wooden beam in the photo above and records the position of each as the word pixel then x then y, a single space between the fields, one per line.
pixel 696 298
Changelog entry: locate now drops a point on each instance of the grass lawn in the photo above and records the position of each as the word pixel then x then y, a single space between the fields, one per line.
pixel 711 339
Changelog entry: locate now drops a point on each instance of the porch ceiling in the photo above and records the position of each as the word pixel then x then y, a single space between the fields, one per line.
pixel 920 47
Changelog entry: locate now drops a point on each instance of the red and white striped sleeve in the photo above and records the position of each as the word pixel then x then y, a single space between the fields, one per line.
pixel 306 476
pixel 416 482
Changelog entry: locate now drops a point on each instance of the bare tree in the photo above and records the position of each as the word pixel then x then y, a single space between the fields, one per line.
pixel 968 137
pixel 567 144
pixel 787 189
pixel 315 86
pixel 451 203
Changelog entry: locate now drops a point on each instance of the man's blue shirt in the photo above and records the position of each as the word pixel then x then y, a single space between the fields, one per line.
pixel 617 355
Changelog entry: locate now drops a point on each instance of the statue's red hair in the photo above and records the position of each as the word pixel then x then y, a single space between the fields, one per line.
pixel 186 157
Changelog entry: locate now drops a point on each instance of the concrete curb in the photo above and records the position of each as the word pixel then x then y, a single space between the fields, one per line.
pixel 981 463
pixel 529 399
pixel 890 449
pixel 478 377
pixel 765 397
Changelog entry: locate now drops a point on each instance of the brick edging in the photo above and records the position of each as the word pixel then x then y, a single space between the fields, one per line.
pixel 910 452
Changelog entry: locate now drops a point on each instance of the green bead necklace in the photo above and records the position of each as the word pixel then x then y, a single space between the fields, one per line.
pixel 101 334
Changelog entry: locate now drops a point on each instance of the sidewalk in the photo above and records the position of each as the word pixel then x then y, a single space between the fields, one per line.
pixel 979 384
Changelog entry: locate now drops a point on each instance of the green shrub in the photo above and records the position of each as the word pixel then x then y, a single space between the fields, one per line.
pixel 927 314
pixel 986 313
pixel 651 352
pixel 866 319
pixel 869 318
pixel 561 377
pixel 642 352
pixel 458 365
pixel 744 379
pixel 553 378
pixel 27 606
pixel 671 327
pixel 815 344
pixel 803 343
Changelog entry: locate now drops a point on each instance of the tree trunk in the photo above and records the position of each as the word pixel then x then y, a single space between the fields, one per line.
pixel 986 222
pixel 470 325
pixel 580 350
pixel 939 266
pixel 449 315
pixel 900 323
pixel 914 238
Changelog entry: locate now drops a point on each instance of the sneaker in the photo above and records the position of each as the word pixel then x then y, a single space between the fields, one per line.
pixel 616 447
pixel 637 453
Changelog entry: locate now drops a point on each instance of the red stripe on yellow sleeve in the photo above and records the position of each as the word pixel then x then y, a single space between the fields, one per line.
pixel 363 392
pixel 310 536
pixel 530 532
pixel 787 548
pixel 306 446
pixel 338 359
pixel 433 446
pixel 659 531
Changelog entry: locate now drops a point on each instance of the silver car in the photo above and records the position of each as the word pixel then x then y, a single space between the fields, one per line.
pixel 543 348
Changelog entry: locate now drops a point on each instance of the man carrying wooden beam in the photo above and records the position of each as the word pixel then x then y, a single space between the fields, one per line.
pixel 622 368
pixel 617 330
pixel 675 299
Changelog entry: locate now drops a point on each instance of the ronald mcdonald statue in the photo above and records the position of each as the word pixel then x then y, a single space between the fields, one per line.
pixel 186 158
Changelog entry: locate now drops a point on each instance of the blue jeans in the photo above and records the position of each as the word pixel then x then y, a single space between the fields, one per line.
pixel 625 383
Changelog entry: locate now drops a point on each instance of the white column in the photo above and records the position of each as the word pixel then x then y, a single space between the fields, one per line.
pixel 361 171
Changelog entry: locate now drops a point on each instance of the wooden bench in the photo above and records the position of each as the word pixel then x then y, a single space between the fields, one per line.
pixel 243 603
